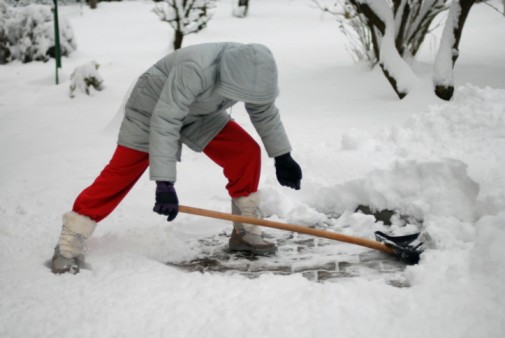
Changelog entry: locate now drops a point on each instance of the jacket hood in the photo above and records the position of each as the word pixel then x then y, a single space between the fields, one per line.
pixel 248 73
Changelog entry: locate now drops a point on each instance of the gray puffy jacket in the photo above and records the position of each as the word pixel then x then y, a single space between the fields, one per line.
pixel 183 98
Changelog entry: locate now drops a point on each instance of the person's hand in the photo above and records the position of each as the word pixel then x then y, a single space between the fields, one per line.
pixel 167 202
pixel 288 172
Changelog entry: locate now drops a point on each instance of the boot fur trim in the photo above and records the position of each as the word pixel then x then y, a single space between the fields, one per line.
pixel 79 224
pixel 251 201
pixel 247 206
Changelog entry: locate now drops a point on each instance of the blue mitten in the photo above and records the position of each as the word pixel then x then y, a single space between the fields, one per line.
pixel 288 172
pixel 167 202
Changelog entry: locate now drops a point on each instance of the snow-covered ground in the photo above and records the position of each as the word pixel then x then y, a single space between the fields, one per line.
pixel 442 162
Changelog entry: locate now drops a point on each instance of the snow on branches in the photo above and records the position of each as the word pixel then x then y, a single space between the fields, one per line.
pixel 27 33
pixel 391 32
pixel 397 71
pixel 185 16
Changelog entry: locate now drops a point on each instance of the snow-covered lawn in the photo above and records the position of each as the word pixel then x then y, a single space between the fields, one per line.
pixel 442 162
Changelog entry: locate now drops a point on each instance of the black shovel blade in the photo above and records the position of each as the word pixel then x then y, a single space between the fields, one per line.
pixel 405 247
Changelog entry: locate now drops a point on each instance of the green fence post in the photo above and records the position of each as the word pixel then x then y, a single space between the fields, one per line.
pixel 57 46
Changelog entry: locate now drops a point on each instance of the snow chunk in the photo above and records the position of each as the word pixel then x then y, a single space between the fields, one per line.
pixel 489 252
pixel 84 77
pixel 355 139
pixel 419 189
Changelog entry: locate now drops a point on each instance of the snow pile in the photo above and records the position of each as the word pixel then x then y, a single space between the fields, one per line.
pixel 446 167
pixel 446 162
pixel 413 188
pixel 442 168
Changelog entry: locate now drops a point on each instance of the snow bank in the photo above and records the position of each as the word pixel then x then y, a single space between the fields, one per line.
pixel 462 140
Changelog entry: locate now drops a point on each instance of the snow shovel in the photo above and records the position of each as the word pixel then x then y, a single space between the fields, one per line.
pixel 402 247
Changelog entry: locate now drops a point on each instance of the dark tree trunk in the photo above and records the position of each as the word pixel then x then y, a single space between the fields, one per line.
pixel 466 5
pixel 92 4
pixel 241 4
pixel 445 92
pixel 178 36
pixel 4 54
pixel 393 83
pixel 400 35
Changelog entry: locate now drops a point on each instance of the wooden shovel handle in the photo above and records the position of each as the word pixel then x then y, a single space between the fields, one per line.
pixel 288 227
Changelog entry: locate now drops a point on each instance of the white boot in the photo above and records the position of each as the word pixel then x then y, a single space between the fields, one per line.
pixel 72 242
pixel 247 237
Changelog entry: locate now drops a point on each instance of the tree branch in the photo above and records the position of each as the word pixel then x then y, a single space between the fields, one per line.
pixel 370 15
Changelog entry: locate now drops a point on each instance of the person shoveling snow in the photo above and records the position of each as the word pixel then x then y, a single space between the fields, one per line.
pixel 182 99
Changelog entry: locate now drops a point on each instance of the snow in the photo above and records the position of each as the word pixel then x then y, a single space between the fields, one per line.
pixel 442 162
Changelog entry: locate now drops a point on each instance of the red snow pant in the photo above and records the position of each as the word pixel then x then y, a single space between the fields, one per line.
pixel 233 149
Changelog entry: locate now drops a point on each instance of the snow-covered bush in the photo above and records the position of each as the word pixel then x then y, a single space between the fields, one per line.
pixel 50 2
pixel 27 33
pixel 84 77
pixel 40 2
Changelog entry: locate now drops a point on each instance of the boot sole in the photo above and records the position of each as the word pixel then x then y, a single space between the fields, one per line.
pixel 256 251
pixel 69 268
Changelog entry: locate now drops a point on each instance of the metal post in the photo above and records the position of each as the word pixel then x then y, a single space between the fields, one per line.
pixel 57 46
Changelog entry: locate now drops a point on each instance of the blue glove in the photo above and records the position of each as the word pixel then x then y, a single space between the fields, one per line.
pixel 288 172
pixel 167 202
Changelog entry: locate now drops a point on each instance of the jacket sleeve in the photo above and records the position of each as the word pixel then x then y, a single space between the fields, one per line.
pixel 183 85
pixel 268 124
